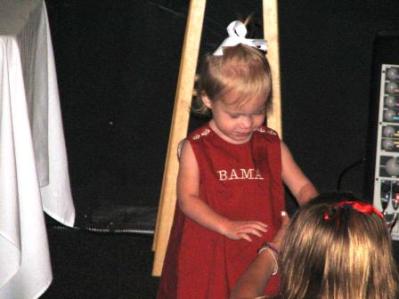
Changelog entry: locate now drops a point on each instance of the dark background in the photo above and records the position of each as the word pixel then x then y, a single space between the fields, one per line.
pixel 117 64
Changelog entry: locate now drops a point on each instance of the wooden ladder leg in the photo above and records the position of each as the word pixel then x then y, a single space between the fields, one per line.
pixel 270 31
pixel 178 131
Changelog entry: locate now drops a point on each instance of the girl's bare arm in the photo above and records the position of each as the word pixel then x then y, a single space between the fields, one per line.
pixel 300 186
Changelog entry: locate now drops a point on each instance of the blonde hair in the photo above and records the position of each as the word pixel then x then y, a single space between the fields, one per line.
pixel 241 69
pixel 346 256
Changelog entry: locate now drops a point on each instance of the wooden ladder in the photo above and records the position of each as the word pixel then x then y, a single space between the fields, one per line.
pixel 181 111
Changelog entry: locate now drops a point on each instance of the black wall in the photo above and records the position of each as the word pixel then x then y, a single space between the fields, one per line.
pixel 327 54
pixel 118 61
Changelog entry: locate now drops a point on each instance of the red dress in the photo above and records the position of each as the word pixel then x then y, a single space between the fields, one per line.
pixel 241 182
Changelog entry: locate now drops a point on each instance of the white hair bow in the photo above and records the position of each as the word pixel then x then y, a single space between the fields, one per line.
pixel 237 32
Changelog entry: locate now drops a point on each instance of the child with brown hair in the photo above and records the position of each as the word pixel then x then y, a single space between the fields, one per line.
pixel 230 183
pixel 335 247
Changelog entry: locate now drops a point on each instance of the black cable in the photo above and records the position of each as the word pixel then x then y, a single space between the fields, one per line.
pixel 93 229
pixel 346 169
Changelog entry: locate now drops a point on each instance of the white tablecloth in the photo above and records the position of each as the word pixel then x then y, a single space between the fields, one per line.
pixel 33 163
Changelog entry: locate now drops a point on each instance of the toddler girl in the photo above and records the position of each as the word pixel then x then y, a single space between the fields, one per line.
pixel 230 183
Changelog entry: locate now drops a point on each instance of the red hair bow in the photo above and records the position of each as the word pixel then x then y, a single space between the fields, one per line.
pixel 361 207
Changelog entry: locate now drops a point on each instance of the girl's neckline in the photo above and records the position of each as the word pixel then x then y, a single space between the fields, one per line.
pixel 224 140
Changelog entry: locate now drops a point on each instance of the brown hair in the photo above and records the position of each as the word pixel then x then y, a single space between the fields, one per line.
pixel 345 256
pixel 241 69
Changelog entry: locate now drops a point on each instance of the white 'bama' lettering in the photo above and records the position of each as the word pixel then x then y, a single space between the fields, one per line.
pixel 239 174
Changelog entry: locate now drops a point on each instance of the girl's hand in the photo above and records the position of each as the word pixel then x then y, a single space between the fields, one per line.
pixel 237 230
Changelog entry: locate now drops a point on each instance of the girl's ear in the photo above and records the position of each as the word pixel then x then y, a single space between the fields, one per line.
pixel 206 100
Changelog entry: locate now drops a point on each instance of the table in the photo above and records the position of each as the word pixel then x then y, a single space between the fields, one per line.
pixel 33 163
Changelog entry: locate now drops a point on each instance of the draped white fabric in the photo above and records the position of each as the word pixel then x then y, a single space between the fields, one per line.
pixel 33 164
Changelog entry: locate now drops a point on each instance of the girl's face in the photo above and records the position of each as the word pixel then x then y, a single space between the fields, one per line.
pixel 235 123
